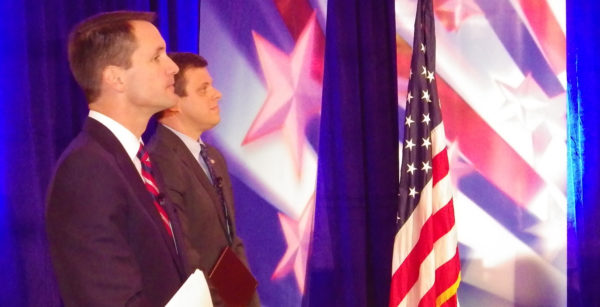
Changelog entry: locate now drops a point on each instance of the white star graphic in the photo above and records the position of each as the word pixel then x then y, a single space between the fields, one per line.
pixel 426 167
pixel 426 143
pixel 410 144
pixel 413 192
pixel 424 72
pixel 430 76
pixel 409 97
pixel 411 168
pixel 426 119
pixel 426 96
pixel 409 121
pixel 422 48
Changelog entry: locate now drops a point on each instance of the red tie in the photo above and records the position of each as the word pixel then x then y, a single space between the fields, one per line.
pixel 153 188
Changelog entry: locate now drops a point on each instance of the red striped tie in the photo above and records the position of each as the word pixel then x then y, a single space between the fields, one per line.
pixel 153 188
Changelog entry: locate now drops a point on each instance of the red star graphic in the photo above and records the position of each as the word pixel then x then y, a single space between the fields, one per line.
pixel 297 235
pixel 293 91
pixel 452 13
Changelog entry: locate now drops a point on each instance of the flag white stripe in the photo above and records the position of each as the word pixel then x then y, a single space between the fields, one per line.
pixel 444 249
pixel 438 139
pixel 408 235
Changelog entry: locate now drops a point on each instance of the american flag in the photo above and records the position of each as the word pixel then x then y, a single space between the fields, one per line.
pixel 425 264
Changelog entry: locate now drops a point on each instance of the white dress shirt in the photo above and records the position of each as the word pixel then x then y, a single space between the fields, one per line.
pixel 194 148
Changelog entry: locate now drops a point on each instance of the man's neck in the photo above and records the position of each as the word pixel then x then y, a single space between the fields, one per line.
pixel 136 122
pixel 175 124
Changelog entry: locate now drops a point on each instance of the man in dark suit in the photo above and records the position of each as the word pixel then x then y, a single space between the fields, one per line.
pixel 186 164
pixel 113 240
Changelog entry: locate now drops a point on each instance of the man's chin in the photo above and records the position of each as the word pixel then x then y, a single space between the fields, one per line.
pixel 170 101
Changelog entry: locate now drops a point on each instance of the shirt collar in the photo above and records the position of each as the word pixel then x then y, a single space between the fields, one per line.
pixel 128 140
pixel 192 144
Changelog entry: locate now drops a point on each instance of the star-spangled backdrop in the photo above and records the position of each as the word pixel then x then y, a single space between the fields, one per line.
pixel 501 73
pixel 501 77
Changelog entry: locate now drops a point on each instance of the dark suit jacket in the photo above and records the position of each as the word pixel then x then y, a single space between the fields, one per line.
pixel 196 201
pixel 107 242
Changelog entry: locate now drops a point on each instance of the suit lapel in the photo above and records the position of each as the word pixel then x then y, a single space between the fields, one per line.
pixel 107 139
pixel 175 224
pixel 181 152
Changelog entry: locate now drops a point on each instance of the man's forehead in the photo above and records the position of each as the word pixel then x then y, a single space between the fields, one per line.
pixel 145 31
pixel 198 74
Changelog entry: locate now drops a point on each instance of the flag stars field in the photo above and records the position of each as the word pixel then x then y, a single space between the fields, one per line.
pixel 430 76
pixel 413 192
pixel 410 144
pixel 411 168
pixel 425 96
pixel 409 120
pixel 426 167
pixel 426 119
pixel 426 143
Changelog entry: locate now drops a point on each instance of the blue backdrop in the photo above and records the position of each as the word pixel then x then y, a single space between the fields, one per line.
pixel 583 72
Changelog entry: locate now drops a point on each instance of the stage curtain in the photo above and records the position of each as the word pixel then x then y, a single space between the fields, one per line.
pixel 357 182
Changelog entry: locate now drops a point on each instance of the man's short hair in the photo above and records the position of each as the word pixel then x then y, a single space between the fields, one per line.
pixel 185 61
pixel 101 40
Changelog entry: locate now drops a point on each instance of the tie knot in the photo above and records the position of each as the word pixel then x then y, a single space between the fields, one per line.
pixel 204 152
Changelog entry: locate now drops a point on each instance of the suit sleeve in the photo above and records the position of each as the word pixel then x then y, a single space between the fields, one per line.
pixel 86 225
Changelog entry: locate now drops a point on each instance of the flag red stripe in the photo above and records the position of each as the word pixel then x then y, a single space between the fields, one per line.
pixel 408 273
pixel 440 167
pixel 428 299
pixel 446 275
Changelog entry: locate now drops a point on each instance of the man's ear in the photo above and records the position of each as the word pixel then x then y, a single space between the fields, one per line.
pixel 114 77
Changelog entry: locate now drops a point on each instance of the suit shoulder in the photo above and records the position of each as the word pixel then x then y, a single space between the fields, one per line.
pixel 85 163
pixel 83 151
pixel 163 142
